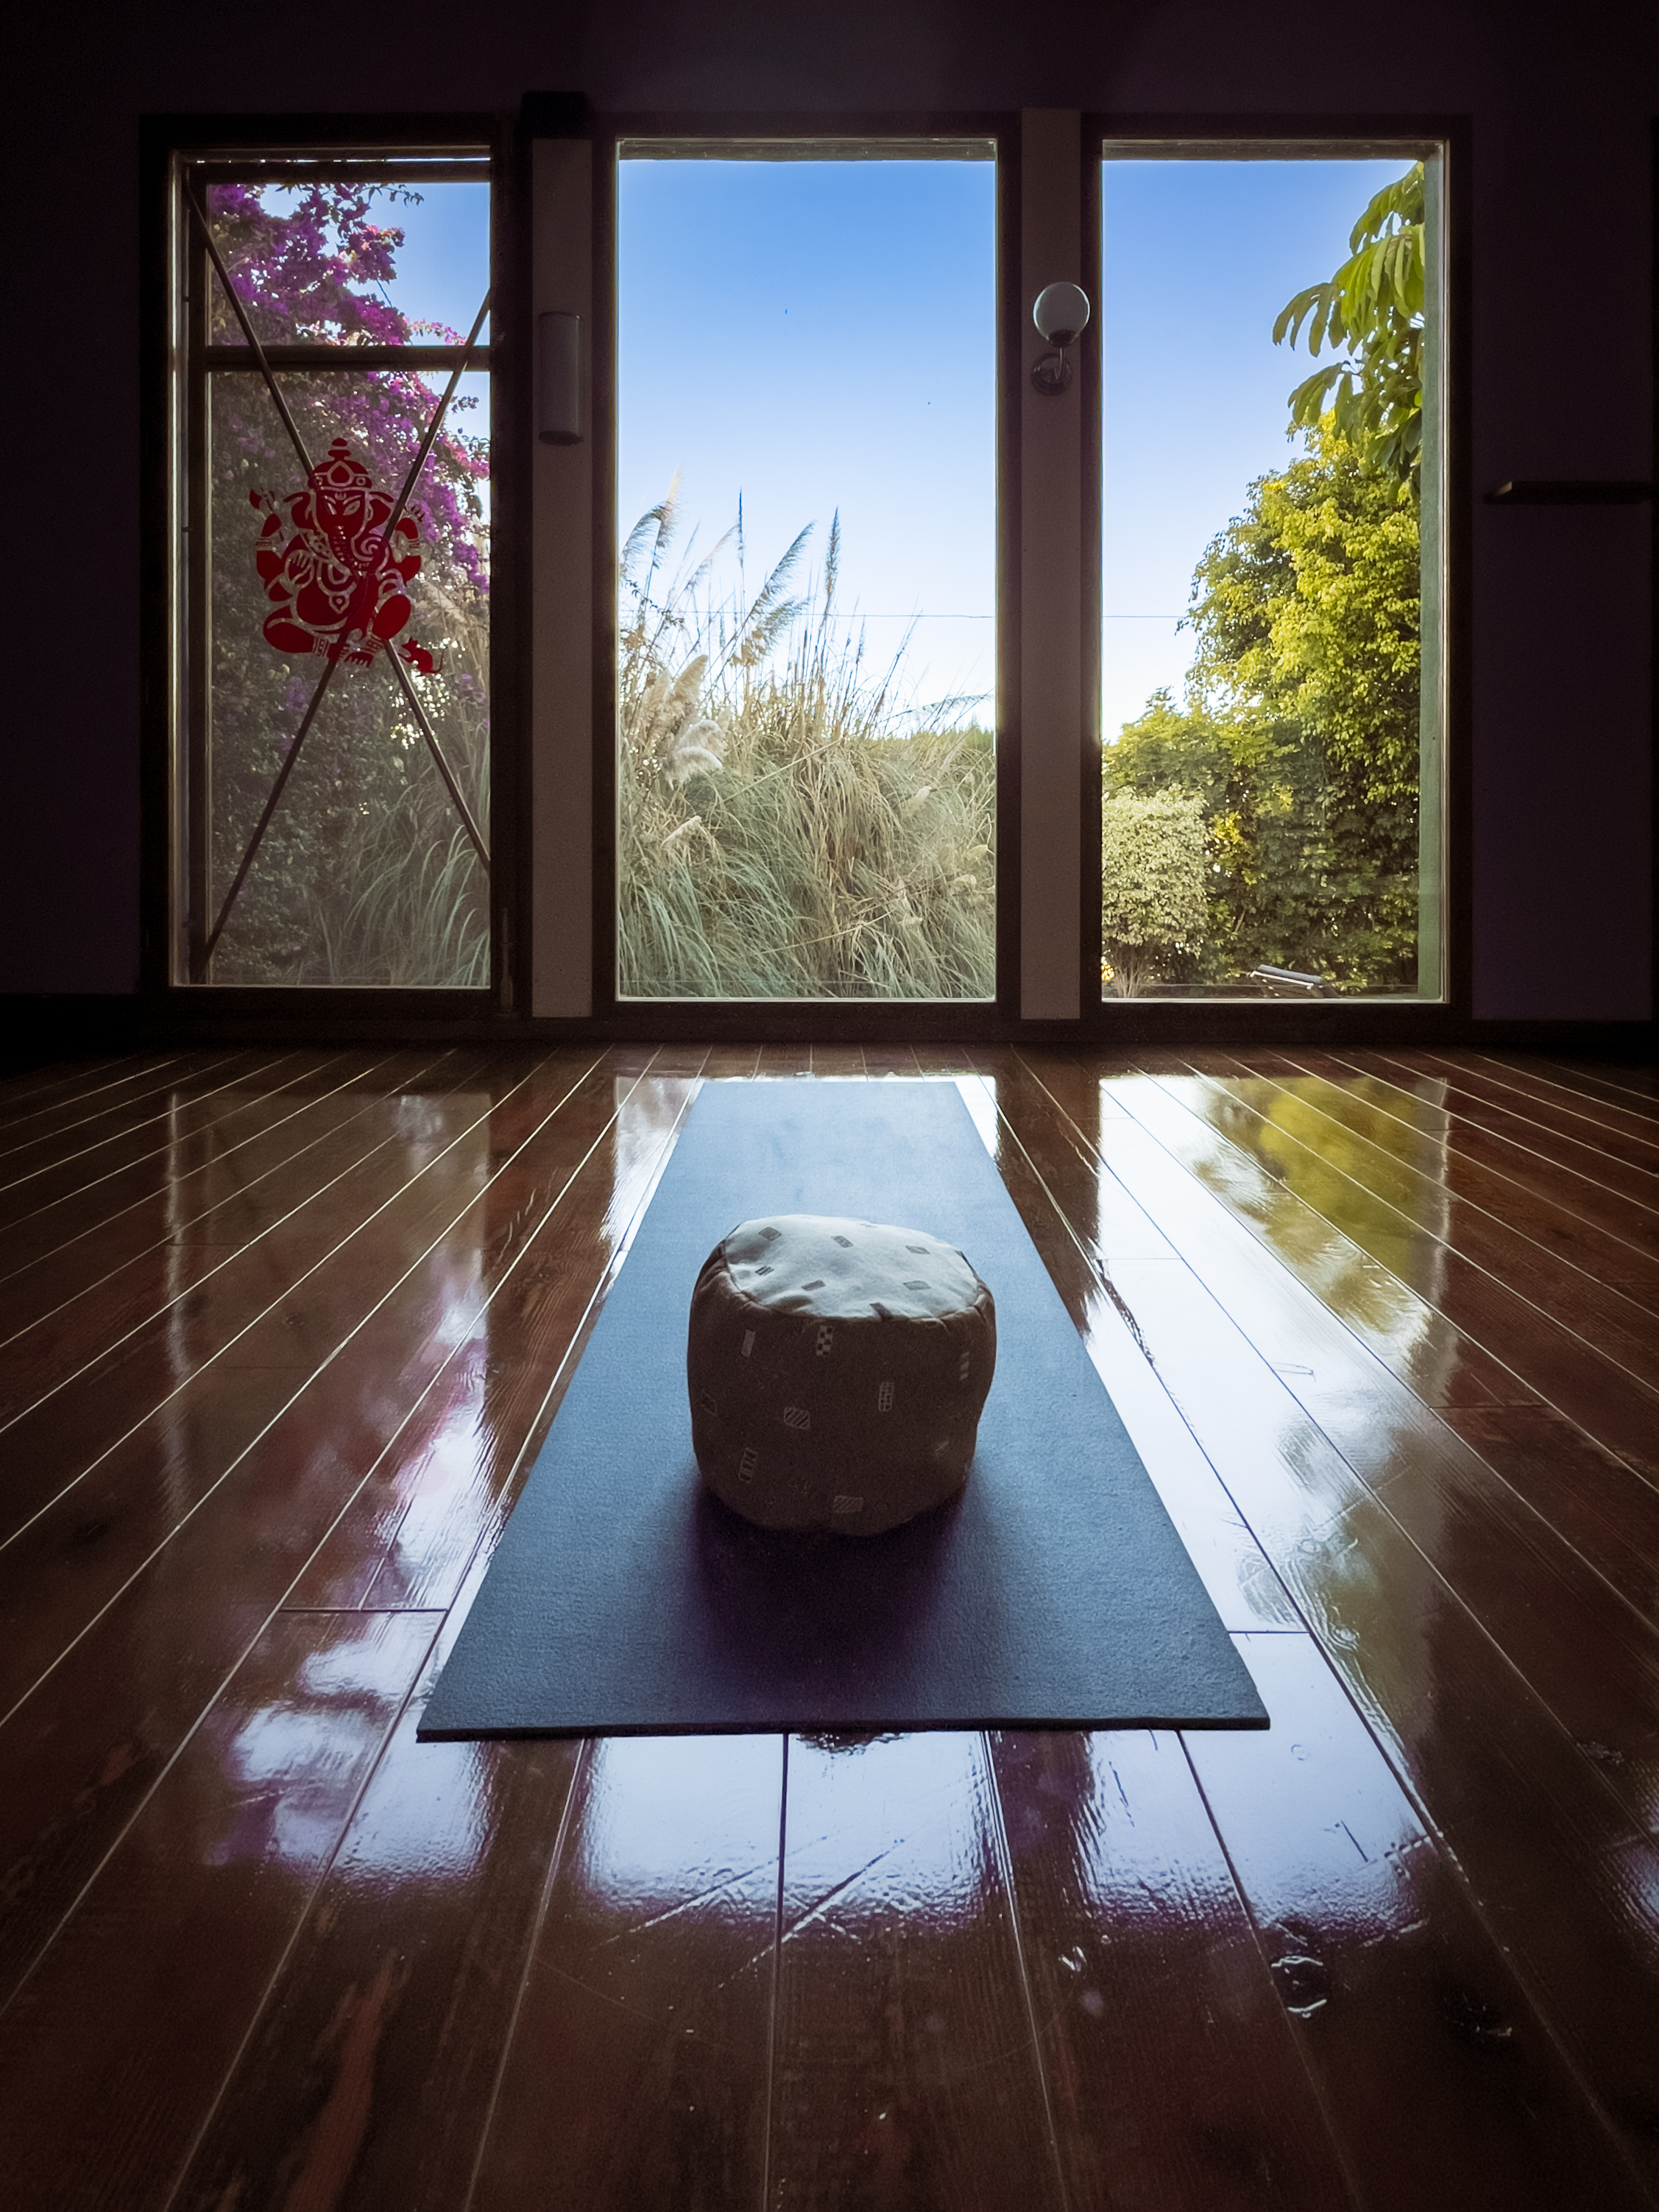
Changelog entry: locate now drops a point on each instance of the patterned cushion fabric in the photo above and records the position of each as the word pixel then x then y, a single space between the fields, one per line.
pixel 837 1370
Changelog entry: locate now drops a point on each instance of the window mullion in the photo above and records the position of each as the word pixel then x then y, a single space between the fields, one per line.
pixel 1054 725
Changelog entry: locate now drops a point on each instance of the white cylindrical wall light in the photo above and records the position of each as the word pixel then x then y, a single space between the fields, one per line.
pixel 560 386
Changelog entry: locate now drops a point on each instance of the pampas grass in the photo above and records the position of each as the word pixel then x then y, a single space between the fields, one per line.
pixel 788 825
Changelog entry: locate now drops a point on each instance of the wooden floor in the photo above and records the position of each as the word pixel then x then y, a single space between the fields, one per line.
pixel 284 1332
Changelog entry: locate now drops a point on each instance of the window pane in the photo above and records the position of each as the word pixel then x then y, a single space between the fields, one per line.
pixel 1270 707
pixel 366 874
pixel 339 751
pixel 806 474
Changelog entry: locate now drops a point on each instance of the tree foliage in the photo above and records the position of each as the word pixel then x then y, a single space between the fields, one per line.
pixel 1369 311
pixel 1300 736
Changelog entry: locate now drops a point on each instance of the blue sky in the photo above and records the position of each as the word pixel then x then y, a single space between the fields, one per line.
pixel 442 269
pixel 819 336
pixel 443 263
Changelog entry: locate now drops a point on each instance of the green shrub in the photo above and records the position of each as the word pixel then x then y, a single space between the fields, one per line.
pixel 1152 892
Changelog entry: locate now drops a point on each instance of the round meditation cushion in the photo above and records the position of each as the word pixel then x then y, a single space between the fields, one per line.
pixel 837 1371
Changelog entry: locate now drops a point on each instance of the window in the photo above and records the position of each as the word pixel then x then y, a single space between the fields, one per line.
pixel 331 750
pixel 807 475
pixel 807 684
pixel 1271 336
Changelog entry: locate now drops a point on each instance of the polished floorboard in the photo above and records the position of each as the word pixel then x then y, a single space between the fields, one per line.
pixel 283 1331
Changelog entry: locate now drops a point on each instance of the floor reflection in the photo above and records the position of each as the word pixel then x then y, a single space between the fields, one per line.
pixel 886 1826
pixel 668 1827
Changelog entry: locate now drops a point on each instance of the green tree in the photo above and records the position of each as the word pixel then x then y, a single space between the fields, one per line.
pixel 1299 734
pixel 1307 613
pixel 1370 311
pixel 1168 746
pixel 1152 906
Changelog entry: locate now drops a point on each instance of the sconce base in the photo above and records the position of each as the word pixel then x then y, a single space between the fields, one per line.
pixel 1052 375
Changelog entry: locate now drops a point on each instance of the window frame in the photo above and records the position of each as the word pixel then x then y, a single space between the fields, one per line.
pixel 1354 1020
pixel 178 369
pixel 503 1010
pixel 826 1019
pixel 1099 1021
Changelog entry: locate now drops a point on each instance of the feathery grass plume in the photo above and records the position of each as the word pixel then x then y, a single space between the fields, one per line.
pixel 790 824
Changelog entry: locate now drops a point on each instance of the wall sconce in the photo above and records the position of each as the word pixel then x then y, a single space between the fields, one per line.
pixel 1061 314
pixel 560 393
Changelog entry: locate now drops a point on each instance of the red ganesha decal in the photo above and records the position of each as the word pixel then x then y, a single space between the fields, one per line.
pixel 337 586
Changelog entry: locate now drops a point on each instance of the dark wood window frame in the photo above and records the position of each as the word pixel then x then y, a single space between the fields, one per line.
pixel 322 1013
pixel 178 363
pixel 827 1019
pixel 1262 1022
pixel 1358 1021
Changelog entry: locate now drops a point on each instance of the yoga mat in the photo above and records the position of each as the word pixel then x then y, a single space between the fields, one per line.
pixel 1052 1591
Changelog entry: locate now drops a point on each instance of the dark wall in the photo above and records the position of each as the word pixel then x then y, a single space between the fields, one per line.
pixel 1560 345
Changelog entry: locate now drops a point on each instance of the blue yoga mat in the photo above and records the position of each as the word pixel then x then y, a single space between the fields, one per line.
pixel 1052 1591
